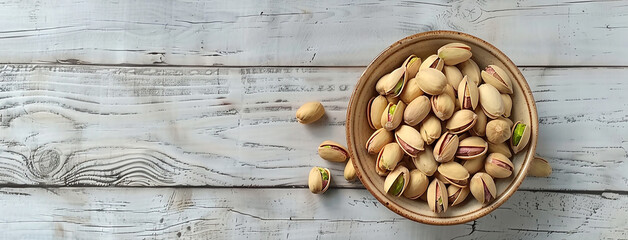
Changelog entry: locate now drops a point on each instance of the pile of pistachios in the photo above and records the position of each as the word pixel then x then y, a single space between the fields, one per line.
pixel 442 128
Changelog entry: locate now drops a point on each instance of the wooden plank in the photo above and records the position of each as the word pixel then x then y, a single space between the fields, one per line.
pixel 305 33
pixel 161 126
pixel 192 213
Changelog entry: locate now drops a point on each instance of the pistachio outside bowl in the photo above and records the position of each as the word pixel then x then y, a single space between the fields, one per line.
pixel 358 129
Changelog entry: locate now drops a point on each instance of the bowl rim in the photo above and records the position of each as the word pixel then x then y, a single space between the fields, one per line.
pixel 518 179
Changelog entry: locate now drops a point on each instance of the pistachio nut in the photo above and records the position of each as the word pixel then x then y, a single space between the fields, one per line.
pixel 392 83
pixel 417 185
pixel 310 112
pixel 499 148
pixel 491 101
pixel 437 197
pixel 412 64
pixel 520 137
pixel 449 91
pixel 510 123
pixel 454 53
pixel 349 172
pixel 430 129
pixel 378 140
pixel 456 194
pixel 498 166
pixel 333 151
pixel 411 92
pixel 507 104
pixel 375 109
pixel 454 173
pixel 473 165
pixel 479 129
pixel 319 180
pixel 433 61
pixel 392 116
pixel 471 70
pixel 471 147
pixel 409 139
pixel 425 161
pixel 417 110
pixel 446 147
pixel 483 188
pixel 497 77
pixel 389 157
pixel 453 75
pixel 431 81
pixel 461 121
pixel 440 177
pixel 468 94
pixel 397 181
pixel 442 106
pixel 539 167
pixel 498 131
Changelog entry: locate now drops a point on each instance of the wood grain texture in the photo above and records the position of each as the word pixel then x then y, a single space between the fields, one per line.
pixel 306 33
pixel 193 213
pixel 162 126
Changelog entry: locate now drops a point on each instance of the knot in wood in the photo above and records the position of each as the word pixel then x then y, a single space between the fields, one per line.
pixel 45 162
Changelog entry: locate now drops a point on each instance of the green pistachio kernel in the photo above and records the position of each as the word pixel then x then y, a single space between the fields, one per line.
pixel 327 146
pixel 397 186
pixel 412 60
pixel 324 174
pixel 397 88
pixel 392 109
pixel 518 133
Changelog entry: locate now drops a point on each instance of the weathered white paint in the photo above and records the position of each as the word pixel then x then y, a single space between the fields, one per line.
pixel 312 33
pixel 162 126
pixel 192 213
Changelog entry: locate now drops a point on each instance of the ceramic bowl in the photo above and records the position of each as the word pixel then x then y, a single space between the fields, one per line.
pixel 358 130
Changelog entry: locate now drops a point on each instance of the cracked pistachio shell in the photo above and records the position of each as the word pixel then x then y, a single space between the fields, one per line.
pixel 392 116
pixel 349 172
pixel 520 136
pixel 425 162
pixel 319 180
pixel 471 70
pixel 417 185
pixel 378 140
pixel 310 112
pixel 433 61
pixel 479 129
pixel 412 64
pixel 471 147
pixel 437 197
pixel 431 81
pixel 392 83
pixel 389 157
pixel 498 131
pixel 430 129
pixel 453 75
pixel 333 151
pixel 498 166
pixel 411 91
pixel 446 147
pixel 376 108
pixel 461 121
pixel 468 94
pixel 440 177
pixel 442 106
pixel 456 194
pixel 473 165
pixel 540 167
pixel 397 181
pixel 417 110
pixel 483 188
pixel 499 148
pixel 454 173
pixel 491 101
pixel 498 78
pixel 409 139
pixel 454 53
pixel 507 104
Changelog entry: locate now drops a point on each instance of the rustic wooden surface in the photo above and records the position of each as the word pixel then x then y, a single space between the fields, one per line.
pixel 185 111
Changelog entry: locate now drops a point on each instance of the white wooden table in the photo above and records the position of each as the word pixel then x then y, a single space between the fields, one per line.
pixel 168 119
